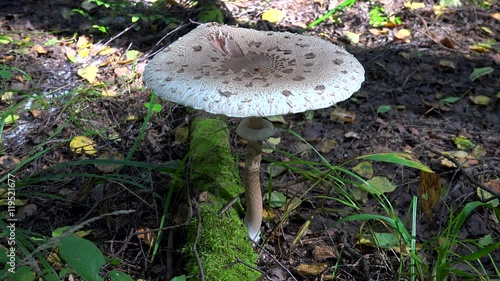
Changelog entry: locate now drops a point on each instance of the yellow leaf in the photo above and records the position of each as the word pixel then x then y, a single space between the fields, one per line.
pixel 414 5
pixel 353 37
pixel 83 52
pixel 107 51
pixel 364 169
pixel 109 93
pixel 496 16
pixel 11 119
pixel 89 73
pixel 402 34
pixel 480 100
pixel 311 269
pixel 273 15
pixel 82 144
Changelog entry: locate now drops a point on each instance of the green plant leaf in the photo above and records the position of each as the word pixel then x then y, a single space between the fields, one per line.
pixel 448 100
pixel 463 143
pixel 155 108
pixel 384 108
pixel 179 278
pixel 276 199
pixel 386 240
pixel 381 185
pixel 480 253
pixel 83 256
pixel 480 72
pixel 116 275
pixel 404 159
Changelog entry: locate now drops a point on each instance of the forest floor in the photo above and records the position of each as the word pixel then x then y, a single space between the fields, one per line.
pixel 432 85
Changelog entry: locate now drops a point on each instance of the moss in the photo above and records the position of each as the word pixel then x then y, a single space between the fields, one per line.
pixel 222 240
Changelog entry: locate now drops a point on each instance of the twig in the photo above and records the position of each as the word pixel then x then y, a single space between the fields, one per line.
pixel 229 205
pixel 163 38
pixel 249 265
pixel 364 262
pixel 197 238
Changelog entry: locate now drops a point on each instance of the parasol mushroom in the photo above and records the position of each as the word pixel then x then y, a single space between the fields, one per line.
pixel 252 74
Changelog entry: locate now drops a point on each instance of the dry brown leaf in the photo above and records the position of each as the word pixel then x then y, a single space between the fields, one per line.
pixel 341 115
pixel 447 42
pixel 146 235
pixel 403 34
pixel 321 253
pixel 429 191
pixel 39 49
pixel 311 269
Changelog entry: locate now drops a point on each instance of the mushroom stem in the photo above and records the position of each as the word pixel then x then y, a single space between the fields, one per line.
pixel 255 130
pixel 253 194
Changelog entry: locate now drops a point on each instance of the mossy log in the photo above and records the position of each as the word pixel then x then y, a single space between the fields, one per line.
pixel 222 241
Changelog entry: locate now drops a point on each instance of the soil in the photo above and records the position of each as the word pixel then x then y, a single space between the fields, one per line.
pixel 424 78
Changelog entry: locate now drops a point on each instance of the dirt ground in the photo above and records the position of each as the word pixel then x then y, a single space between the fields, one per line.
pixel 425 78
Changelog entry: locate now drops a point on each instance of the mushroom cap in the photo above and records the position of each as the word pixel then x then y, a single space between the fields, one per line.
pixel 242 72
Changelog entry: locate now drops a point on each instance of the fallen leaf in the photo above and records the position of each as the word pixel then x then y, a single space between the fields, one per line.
pixel 82 41
pixel 429 191
pixel 7 162
pixel 311 269
pixel 277 118
pixel 478 152
pixel 181 135
pixel 414 5
pixel 364 169
pixel 322 253
pixel 351 135
pixel 447 42
pixel 89 73
pixel 496 16
pixel 463 143
pixel 273 15
pixel 84 52
pixel 82 144
pixel 26 211
pixel 123 72
pixel 109 168
pixel 108 93
pixel 352 37
pixel 341 115
pixel 10 119
pixel 328 145
pixel 39 49
pixel 270 144
pixel 480 100
pixel 494 185
pixel 447 64
pixel 35 113
pixel 381 185
pixel 402 34
pixel 146 235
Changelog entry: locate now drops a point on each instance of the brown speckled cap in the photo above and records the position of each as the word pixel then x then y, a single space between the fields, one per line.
pixel 241 72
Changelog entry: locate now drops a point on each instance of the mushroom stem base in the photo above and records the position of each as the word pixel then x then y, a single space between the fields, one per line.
pixel 253 194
